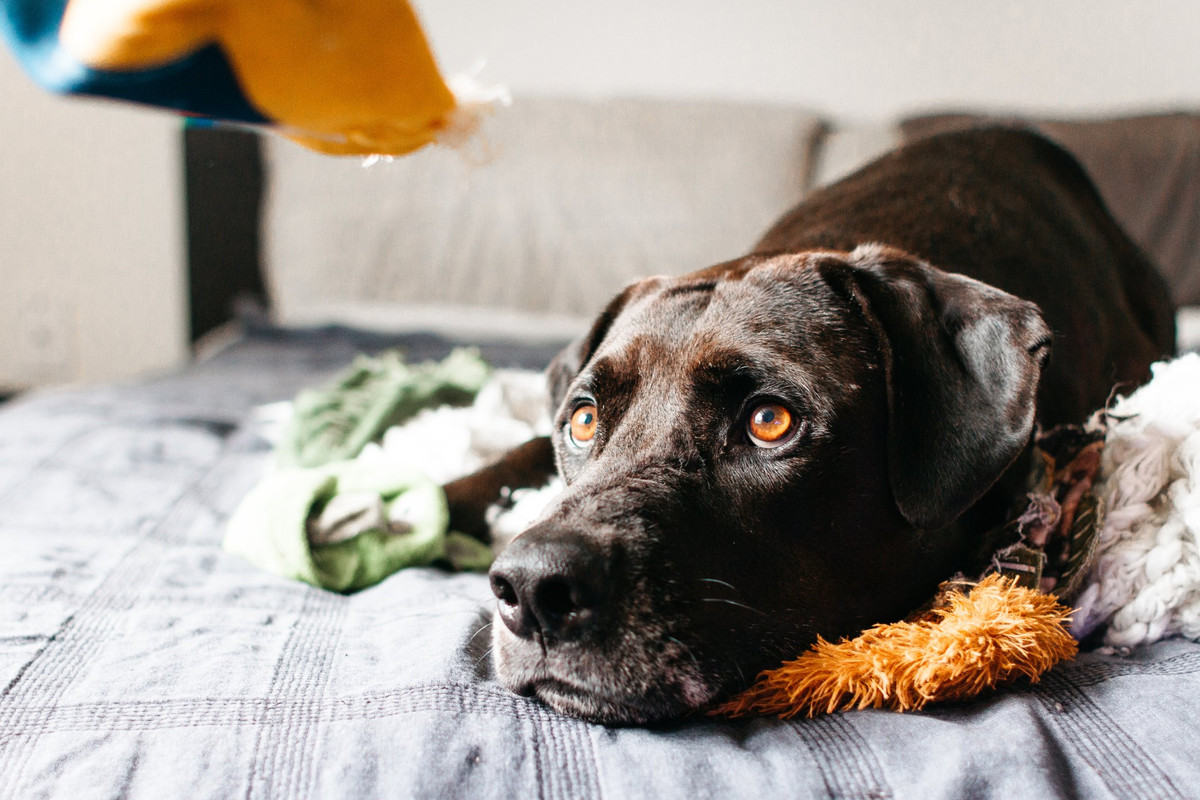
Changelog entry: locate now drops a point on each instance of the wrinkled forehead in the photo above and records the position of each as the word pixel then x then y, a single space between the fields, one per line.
pixel 775 315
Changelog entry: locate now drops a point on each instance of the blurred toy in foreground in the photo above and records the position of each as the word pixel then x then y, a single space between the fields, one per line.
pixel 340 77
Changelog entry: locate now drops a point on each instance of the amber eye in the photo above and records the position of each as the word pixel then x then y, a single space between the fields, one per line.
pixel 583 425
pixel 769 425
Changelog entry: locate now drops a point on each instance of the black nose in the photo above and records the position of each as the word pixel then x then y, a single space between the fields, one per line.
pixel 550 582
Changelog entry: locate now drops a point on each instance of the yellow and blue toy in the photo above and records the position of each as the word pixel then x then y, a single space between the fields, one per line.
pixel 346 77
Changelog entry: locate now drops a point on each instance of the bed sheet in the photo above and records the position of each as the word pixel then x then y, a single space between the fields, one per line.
pixel 139 660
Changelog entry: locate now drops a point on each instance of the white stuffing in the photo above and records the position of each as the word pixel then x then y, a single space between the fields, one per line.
pixel 1144 582
pixel 447 443
pixel 527 505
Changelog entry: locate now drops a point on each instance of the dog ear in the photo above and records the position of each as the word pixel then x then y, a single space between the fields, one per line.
pixel 572 358
pixel 963 361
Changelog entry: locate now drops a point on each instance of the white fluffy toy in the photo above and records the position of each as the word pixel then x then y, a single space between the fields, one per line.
pixel 449 442
pixel 1144 582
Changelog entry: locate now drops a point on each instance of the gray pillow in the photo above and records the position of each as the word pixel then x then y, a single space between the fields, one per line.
pixel 579 198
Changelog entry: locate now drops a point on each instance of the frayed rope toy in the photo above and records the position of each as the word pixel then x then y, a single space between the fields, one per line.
pixel 974 636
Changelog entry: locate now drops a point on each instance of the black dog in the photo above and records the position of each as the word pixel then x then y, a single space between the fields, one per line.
pixel 807 440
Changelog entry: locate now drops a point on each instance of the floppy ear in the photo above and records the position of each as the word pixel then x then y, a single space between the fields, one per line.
pixel 963 361
pixel 571 360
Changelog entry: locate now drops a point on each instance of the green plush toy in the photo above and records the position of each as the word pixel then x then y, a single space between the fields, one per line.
pixel 336 421
pixel 348 525
pixel 328 520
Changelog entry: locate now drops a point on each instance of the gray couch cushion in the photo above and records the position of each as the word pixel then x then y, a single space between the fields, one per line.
pixel 578 199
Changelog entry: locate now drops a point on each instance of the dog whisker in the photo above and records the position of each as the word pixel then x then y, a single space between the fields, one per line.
pixel 476 633
pixel 721 583
pixel 480 660
pixel 732 603
pixel 485 607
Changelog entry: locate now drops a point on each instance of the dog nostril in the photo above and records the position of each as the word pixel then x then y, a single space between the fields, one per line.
pixel 553 598
pixel 551 586
pixel 513 613
pixel 504 591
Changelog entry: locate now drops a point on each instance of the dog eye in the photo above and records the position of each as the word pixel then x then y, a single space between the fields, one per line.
pixel 769 425
pixel 583 425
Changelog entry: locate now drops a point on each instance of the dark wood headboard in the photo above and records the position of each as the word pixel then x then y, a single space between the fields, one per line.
pixel 223 179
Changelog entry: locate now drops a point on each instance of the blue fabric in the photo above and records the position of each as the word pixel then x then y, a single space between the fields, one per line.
pixel 202 83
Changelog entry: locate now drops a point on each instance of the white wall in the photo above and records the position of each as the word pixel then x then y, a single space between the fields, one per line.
pixel 91 242
pixel 856 58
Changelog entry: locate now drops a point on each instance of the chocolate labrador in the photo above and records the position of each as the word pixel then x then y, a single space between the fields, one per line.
pixel 807 440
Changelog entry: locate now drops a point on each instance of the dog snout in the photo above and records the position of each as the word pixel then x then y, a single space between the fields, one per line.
pixel 551 583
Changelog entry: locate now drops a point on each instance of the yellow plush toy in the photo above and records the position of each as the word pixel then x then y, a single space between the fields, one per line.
pixel 339 76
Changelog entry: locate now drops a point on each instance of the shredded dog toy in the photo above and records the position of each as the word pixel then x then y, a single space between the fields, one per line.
pixel 968 643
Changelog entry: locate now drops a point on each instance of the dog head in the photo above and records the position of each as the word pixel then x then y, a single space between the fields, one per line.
pixel 758 454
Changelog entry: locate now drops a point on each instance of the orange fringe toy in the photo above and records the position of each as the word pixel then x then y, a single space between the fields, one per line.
pixel 966 644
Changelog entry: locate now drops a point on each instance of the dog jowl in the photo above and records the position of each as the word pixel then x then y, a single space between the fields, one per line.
pixel 798 443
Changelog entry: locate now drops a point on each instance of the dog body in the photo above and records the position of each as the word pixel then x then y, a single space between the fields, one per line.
pixel 805 441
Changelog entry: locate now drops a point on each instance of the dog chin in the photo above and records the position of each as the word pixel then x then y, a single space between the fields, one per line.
pixel 593 691
pixel 606 708
pixel 593 707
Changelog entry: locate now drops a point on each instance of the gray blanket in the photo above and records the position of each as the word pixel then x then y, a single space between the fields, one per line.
pixel 139 660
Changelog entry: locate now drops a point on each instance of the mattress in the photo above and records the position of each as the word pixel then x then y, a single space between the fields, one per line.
pixel 139 660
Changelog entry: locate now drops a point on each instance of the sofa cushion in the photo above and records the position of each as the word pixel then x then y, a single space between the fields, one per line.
pixel 577 199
